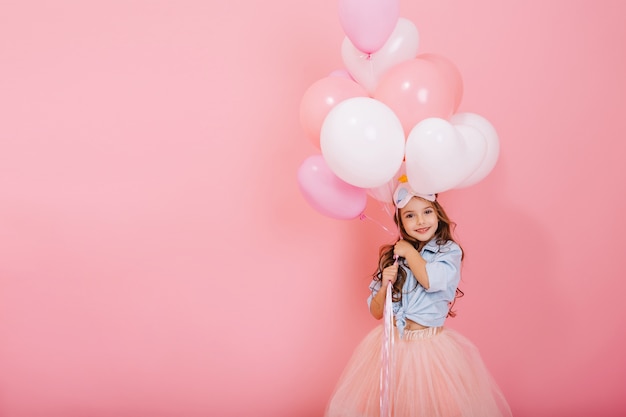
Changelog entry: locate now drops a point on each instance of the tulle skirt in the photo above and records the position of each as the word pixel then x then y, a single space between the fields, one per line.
pixel 436 372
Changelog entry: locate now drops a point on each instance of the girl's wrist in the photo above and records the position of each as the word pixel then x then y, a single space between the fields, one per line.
pixel 414 254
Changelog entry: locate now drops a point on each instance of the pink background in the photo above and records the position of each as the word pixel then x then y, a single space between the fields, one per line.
pixel 157 258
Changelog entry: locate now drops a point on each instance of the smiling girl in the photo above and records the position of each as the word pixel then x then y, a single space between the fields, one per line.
pixel 437 371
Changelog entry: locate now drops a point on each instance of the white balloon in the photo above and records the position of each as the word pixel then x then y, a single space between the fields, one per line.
pixel 492 144
pixel 475 148
pixel 362 142
pixel 436 156
pixel 367 69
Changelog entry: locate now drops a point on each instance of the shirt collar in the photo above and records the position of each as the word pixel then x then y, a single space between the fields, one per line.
pixel 431 246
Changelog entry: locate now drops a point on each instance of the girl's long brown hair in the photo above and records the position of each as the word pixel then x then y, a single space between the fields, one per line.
pixel 442 235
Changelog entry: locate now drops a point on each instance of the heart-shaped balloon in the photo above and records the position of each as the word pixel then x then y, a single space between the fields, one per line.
pixel 492 151
pixel 450 72
pixel 475 148
pixel 367 69
pixel 368 23
pixel 415 90
pixel 439 156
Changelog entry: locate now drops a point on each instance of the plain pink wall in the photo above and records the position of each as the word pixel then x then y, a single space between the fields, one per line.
pixel 157 258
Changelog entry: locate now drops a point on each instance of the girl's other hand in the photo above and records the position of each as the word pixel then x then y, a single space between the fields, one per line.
pixel 389 275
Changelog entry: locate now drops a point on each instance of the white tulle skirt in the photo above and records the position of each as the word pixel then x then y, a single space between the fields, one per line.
pixel 437 372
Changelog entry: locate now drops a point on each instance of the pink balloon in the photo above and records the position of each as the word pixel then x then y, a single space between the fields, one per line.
pixel 450 72
pixel 367 69
pixel 320 98
pixel 415 90
pixel 327 193
pixel 341 73
pixel 368 23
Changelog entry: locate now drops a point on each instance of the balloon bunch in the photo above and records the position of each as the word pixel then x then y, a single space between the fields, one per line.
pixel 390 112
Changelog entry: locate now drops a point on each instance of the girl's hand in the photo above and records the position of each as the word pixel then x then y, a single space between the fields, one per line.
pixel 389 275
pixel 403 248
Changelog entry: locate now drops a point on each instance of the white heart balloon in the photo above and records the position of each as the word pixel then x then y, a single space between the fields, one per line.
pixel 475 148
pixel 436 156
pixel 367 69
pixel 492 145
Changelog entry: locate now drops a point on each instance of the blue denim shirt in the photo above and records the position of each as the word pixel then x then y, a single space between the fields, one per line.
pixel 428 307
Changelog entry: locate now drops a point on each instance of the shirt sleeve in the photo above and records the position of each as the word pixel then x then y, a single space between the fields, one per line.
pixel 374 287
pixel 445 268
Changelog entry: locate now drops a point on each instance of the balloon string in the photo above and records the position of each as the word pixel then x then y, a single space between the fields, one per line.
pixel 386 229
pixel 386 369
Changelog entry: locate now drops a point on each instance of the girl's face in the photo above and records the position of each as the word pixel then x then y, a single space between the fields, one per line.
pixel 419 219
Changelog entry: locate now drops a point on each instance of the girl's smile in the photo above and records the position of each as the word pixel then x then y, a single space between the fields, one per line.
pixel 419 219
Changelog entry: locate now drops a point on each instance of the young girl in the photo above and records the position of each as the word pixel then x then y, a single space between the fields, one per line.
pixel 436 371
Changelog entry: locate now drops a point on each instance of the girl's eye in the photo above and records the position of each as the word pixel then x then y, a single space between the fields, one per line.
pixel 428 211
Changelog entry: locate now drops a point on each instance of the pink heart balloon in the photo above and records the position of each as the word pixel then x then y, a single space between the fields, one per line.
pixel 367 69
pixel 416 90
pixel 320 98
pixel 450 72
pixel 368 23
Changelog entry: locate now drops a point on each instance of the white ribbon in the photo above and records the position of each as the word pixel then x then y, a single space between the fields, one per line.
pixel 386 369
